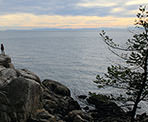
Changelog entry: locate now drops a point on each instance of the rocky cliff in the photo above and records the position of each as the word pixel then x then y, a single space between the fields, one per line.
pixel 24 98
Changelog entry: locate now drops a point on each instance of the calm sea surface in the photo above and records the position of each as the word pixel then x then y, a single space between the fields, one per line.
pixel 72 57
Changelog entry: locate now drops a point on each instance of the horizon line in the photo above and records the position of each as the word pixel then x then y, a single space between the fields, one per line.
pixel 50 29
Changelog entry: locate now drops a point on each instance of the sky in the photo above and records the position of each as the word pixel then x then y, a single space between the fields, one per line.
pixel 33 14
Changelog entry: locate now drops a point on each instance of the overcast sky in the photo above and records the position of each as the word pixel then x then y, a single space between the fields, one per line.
pixel 27 14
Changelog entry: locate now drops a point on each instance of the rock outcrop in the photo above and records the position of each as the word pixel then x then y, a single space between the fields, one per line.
pixel 20 96
pixel 106 110
pixel 24 98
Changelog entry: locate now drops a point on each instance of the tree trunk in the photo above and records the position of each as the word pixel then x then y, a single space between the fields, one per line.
pixel 141 89
pixel 136 105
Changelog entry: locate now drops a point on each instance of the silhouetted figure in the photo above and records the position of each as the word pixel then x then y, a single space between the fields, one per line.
pixel 2 49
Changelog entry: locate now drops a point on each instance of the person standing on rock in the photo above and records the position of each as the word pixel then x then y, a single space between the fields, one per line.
pixel 2 49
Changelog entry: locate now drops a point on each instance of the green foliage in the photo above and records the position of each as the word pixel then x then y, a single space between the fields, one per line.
pixel 133 76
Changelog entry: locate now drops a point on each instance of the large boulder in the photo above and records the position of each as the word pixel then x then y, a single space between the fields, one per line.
pixel 23 99
pixel 106 110
pixel 28 75
pixel 56 87
pixel 56 99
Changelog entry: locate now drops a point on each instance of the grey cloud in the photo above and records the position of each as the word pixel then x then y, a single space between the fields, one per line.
pixel 35 6
pixel 58 7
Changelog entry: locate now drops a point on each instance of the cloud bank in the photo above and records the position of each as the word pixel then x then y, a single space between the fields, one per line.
pixel 68 13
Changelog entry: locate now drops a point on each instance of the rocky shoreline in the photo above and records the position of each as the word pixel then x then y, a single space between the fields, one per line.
pixel 25 98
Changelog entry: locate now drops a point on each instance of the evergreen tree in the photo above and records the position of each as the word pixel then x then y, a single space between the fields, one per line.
pixel 133 75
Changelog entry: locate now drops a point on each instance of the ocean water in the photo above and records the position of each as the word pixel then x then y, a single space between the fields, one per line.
pixel 72 57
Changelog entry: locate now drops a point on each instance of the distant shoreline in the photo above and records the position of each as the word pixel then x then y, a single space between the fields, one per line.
pixel 68 29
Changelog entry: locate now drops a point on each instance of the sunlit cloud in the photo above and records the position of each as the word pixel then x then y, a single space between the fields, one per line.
pixel 117 10
pixel 25 20
pixel 132 12
pixel 123 11
pixel 96 4
pixel 137 2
